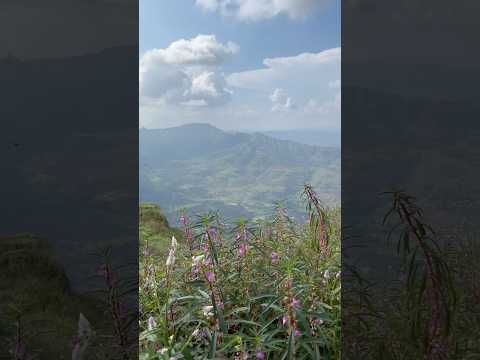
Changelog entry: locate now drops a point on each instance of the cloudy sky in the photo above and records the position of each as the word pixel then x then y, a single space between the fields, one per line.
pixel 240 64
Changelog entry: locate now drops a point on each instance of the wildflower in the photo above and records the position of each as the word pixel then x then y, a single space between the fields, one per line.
pixel 221 306
pixel 174 243
pixel 196 333
pixel 210 276
pixel 152 324
pixel 183 220
pixel 162 351
pixel 212 232
pixel 82 341
pixel 274 257
pixel 171 254
pixel 326 274
pixel 207 310
pixel 171 258
pixel 297 333
pixel 242 250
pixel 318 322
pixel 238 236
pixel 295 303
pixel 285 320
pixel 260 355
pixel 207 262
pixel 196 260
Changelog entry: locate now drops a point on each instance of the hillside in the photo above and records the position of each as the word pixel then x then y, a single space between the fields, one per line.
pixel 203 168
pixel 154 228
pixel 35 294
pixel 315 137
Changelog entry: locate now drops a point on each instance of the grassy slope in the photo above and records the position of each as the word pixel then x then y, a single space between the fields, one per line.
pixel 34 285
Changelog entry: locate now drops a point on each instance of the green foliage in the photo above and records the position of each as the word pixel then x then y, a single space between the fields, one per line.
pixel 244 289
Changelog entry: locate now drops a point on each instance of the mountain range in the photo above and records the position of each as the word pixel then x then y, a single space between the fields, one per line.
pixel 200 168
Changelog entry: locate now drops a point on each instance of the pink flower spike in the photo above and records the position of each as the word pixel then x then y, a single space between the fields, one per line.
pixel 297 333
pixel 207 262
pixel 210 276
pixel 242 250
pixel 237 236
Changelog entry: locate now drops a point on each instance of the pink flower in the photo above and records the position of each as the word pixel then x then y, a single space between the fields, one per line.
pixel 260 355
pixel 285 320
pixel 238 236
pixel 183 220
pixel 221 306
pixel 242 250
pixel 295 303
pixel 210 276
pixel 297 333
pixel 274 257
pixel 212 232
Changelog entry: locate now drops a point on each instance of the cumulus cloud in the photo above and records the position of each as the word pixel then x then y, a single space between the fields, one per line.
pixel 281 100
pixel 201 50
pixel 186 72
pixel 256 10
pixel 210 88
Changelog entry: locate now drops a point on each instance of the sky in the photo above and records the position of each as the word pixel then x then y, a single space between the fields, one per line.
pixel 240 64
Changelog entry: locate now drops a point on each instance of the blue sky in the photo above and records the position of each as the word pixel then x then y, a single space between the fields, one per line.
pixel 242 64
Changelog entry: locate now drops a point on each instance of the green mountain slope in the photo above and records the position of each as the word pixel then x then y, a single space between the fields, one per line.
pixel 203 168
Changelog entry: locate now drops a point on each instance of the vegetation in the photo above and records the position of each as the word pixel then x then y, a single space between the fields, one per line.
pixel 37 306
pixel 248 290
pixel 432 311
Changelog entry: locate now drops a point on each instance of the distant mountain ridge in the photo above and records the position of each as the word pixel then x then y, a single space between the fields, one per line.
pixel 316 137
pixel 202 168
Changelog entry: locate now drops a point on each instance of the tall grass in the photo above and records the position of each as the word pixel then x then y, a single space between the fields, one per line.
pixel 263 290
pixel 431 311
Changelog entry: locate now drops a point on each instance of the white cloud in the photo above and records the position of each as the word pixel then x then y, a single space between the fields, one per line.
pixel 201 50
pixel 209 87
pixel 256 10
pixel 186 72
pixel 303 68
pixel 287 92
pixel 323 57
pixel 281 100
